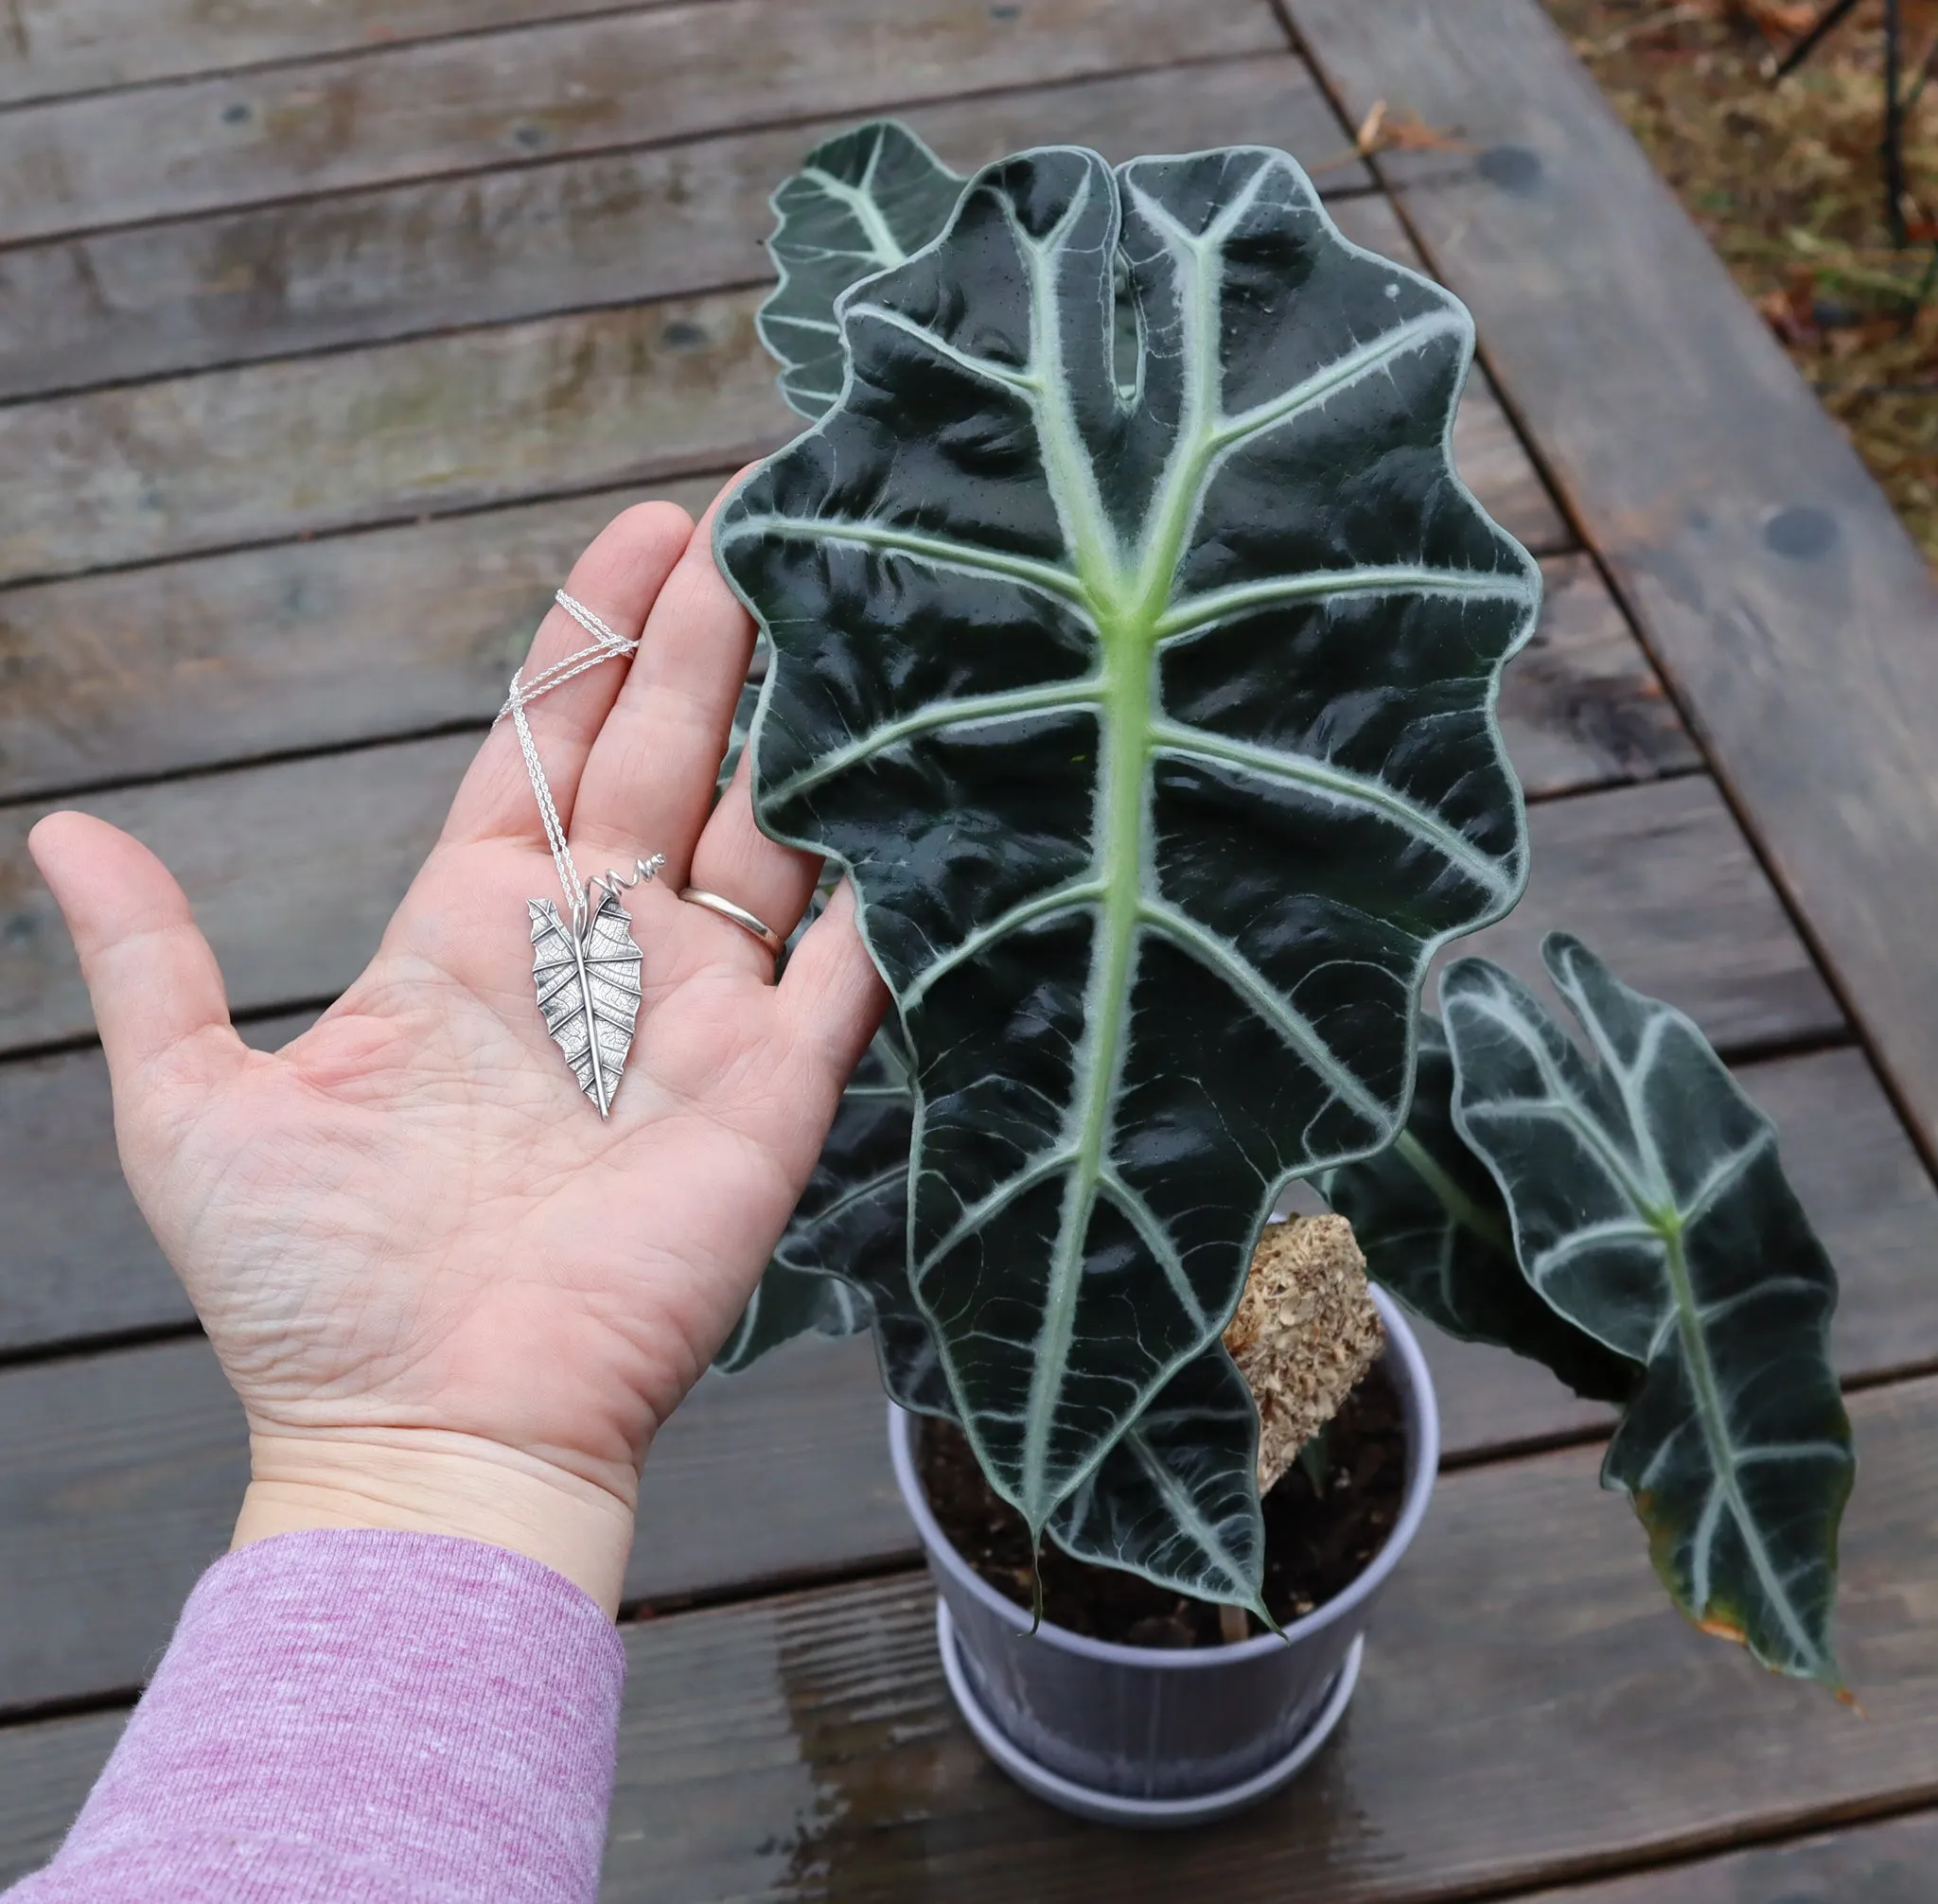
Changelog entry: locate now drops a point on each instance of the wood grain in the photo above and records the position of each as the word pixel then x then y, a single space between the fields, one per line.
pixel 1888 1863
pixel 274 451
pixel 1784 602
pixel 308 644
pixel 1658 880
pixel 57 46
pixel 1530 1709
pixel 1580 706
pixel 542 89
pixel 568 234
pixel 294 868
pixel 119 1471
pixel 45 1770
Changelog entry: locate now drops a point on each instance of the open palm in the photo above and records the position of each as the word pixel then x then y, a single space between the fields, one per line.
pixel 409 1223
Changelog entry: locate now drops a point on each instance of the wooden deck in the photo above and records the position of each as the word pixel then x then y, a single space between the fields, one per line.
pixel 328 334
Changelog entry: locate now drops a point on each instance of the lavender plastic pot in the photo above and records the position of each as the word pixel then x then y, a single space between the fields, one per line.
pixel 1140 1736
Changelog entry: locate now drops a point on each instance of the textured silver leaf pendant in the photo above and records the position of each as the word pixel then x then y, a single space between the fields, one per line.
pixel 588 990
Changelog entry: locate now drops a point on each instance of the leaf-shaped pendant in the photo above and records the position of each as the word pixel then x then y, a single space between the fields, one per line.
pixel 588 990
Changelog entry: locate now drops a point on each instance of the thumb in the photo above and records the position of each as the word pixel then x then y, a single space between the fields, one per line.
pixel 156 989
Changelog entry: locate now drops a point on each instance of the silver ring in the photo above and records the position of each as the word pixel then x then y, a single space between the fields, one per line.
pixel 740 916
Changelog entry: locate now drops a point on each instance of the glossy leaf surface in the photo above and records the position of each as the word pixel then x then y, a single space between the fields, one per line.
pixel 862 201
pixel 1155 729
pixel 1436 1233
pixel 1650 1209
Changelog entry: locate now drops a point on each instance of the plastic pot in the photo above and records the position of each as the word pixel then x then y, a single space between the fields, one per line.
pixel 1136 1735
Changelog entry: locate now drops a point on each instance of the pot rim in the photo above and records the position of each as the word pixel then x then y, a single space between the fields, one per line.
pixel 1423 1435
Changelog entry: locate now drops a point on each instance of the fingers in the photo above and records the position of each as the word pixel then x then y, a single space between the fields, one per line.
pixel 649 783
pixel 831 989
pixel 156 989
pixel 735 859
pixel 618 576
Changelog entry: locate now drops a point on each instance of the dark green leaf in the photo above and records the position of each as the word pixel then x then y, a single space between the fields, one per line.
pixel 1435 1232
pixel 860 202
pixel 1650 1209
pixel 1176 1499
pixel 1156 732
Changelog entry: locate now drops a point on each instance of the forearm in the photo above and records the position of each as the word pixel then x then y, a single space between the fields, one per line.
pixel 361 1716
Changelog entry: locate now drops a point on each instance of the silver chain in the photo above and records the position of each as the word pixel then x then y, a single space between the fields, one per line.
pixel 608 645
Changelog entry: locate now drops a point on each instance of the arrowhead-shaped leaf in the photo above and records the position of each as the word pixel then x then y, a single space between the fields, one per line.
pixel 1436 1233
pixel 589 991
pixel 1650 1209
pixel 1156 729
pixel 862 201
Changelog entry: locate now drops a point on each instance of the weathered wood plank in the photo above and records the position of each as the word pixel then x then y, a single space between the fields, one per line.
pixel 1658 880
pixel 272 452
pixel 543 89
pixel 119 1472
pixel 46 1772
pixel 1789 610
pixel 58 46
pixel 219 658
pixel 1888 1863
pixel 294 868
pixel 277 450
pixel 1580 706
pixel 617 228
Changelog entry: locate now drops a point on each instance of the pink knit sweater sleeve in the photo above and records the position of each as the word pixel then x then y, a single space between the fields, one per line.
pixel 360 1718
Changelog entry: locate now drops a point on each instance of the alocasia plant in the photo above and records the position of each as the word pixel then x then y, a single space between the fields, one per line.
pixel 1649 1210
pixel 1156 732
pixel 1133 647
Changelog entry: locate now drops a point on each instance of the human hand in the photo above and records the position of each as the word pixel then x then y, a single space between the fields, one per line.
pixel 448 1296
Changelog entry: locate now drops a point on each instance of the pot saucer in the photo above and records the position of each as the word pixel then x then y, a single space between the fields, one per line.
pixel 1110 1808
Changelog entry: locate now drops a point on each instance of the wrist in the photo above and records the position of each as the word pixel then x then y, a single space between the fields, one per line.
pixel 434 1482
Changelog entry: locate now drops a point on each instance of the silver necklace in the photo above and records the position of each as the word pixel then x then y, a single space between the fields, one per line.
pixel 585 965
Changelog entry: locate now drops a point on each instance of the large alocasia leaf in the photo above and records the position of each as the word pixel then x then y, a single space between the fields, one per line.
pixel 1153 723
pixel 862 201
pixel 1436 1231
pixel 1650 1209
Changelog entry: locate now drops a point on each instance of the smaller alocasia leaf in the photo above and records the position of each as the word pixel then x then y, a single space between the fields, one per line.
pixel 1650 1209
pixel 1436 1231
pixel 861 202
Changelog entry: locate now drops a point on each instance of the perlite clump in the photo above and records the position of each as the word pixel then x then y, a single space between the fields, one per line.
pixel 1305 1331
